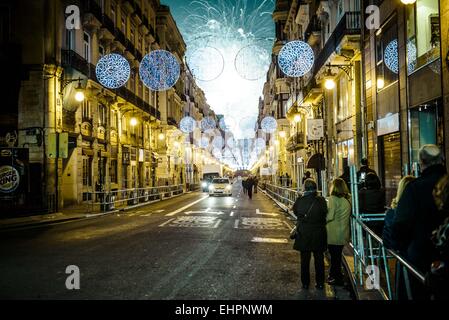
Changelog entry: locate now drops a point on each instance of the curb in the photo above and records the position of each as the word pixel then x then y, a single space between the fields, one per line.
pixel 25 225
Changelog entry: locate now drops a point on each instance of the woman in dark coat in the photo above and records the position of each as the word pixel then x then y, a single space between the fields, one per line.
pixel 311 236
pixel 372 200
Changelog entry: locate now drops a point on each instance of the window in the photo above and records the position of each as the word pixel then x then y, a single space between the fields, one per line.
pixel 70 39
pixel 114 119
pixel 87 115
pixel 387 64
pixel 423 33
pixel 101 51
pixel 343 98
pixel 113 171
pixel 87 177
pixel 140 90
pixel 124 126
pixel 125 176
pixel 102 115
pixel 86 47
pixel 101 4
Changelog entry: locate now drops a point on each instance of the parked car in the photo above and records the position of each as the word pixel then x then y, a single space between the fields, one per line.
pixel 220 186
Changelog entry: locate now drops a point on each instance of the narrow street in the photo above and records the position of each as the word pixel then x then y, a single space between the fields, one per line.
pixel 191 247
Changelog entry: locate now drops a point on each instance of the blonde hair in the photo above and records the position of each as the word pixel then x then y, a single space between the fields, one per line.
pixel 339 188
pixel 401 187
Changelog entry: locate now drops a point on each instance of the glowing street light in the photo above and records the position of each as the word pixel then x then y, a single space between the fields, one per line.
pixel 297 118
pixel 380 83
pixel 133 122
pixel 329 84
pixel 161 136
pixel 408 1
pixel 282 134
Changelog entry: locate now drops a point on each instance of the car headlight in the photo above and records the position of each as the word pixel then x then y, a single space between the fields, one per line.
pixel 204 184
pixel 211 188
pixel 228 188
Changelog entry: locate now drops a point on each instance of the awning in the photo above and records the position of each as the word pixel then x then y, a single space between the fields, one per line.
pixel 316 162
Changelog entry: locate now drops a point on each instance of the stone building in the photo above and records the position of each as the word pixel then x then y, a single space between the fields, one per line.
pixel 115 139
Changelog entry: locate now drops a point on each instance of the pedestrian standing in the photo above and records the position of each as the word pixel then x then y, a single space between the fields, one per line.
pixel 338 233
pixel 363 172
pixel 417 217
pixel 256 183
pixel 245 186
pixel 249 186
pixel 311 235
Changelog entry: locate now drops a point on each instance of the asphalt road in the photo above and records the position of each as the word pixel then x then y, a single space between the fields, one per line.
pixel 190 247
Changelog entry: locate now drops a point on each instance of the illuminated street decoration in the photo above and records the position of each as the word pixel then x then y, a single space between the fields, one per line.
pixel 269 125
pixel 391 56
pixel 252 62
pixel 202 71
pixel 159 70
pixel 187 124
pixel 296 58
pixel 113 71
pixel 208 124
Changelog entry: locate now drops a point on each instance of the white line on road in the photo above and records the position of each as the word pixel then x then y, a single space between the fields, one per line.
pixel 167 222
pixel 234 207
pixel 186 207
pixel 266 213
pixel 232 214
pixel 217 224
pixel 236 224
pixel 269 240
pixel 159 211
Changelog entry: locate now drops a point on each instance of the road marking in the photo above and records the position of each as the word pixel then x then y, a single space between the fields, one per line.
pixel 167 222
pixel 186 207
pixel 236 224
pixel 232 214
pixel 269 240
pixel 204 212
pixel 234 207
pixel 207 210
pixel 159 211
pixel 217 224
pixel 147 215
pixel 266 213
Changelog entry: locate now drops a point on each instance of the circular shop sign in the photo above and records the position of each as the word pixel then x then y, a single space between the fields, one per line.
pixel 9 179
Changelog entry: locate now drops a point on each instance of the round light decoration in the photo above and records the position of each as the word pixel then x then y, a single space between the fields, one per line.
pixel 296 58
pixel 113 71
pixel 252 62
pixel 391 56
pixel 202 71
pixel 208 124
pixel 159 70
pixel 187 124
pixel 227 123
pixel 269 125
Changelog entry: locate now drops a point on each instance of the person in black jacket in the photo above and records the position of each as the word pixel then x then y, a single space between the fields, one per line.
pixel 363 172
pixel 417 216
pixel 311 235
pixel 372 200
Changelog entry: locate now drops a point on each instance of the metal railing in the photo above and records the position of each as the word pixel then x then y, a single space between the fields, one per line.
pixel 375 265
pixel 105 201
pixel 283 195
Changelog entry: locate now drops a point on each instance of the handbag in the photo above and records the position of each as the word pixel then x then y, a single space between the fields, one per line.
pixel 294 233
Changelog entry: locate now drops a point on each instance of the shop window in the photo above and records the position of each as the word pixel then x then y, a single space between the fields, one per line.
pixel 387 54
pixel 423 33
pixel 425 128
pixel 101 115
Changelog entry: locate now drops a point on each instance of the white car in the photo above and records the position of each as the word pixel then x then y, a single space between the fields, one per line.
pixel 220 186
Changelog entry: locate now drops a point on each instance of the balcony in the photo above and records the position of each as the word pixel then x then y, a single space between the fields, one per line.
pixel 314 26
pixel 296 142
pixel 129 96
pixel 172 122
pixel 71 59
pixel 350 24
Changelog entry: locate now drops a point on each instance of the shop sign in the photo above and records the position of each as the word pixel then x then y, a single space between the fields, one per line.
pixel 388 125
pixel 9 179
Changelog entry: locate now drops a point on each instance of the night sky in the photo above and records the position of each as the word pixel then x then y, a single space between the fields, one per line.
pixel 229 51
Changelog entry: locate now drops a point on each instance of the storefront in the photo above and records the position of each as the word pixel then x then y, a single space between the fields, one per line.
pixel 390 163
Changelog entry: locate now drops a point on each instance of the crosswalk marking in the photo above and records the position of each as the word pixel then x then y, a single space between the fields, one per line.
pixel 269 240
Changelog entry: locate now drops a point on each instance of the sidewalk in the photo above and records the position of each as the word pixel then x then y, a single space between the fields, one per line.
pixel 72 213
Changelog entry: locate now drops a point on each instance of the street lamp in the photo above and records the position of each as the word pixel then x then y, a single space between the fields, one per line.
pixel 79 90
pixel 161 136
pixel 297 118
pixel 380 83
pixel 133 121
pixel 282 134
pixel 408 1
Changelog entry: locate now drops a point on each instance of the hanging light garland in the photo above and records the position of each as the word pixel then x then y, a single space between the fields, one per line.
pixel 159 70
pixel 113 71
pixel 391 56
pixel 296 58
pixel 208 123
